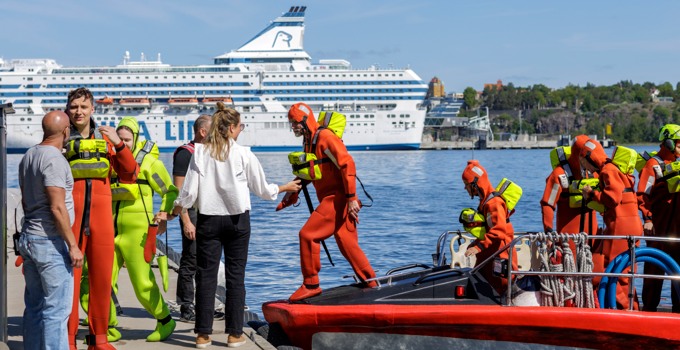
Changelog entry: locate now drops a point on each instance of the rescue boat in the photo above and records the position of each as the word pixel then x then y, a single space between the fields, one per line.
pixel 212 100
pixel 134 102
pixel 183 102
pixel 105 101
pixel 449 305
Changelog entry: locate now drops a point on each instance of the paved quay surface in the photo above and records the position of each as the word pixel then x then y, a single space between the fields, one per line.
pixel 135 323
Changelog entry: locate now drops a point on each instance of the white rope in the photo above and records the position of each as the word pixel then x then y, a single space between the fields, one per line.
pixel 555 290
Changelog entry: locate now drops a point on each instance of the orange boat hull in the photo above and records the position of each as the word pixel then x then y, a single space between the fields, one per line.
pixel 587 328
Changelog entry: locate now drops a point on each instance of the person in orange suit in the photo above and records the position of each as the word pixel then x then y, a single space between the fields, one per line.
pixel 93 152
pixel 555 201
pixel 660 211
pixel 620 215
pixel 338 211
pixel 499 230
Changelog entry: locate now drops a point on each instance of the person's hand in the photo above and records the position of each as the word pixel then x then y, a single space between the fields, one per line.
pixel 586 191
pixel 110 133
pixel 472 251
pixel 76 256
pixel 189 230
pixel 353 208
pixel 160 216
pixel 648 227
pixel 291 187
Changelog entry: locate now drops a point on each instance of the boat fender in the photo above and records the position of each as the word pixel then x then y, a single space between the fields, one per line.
pixel 526 291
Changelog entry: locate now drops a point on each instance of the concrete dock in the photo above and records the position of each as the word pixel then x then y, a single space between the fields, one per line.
pixel 134 324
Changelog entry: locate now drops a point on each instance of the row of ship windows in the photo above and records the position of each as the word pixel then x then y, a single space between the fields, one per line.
pixel 323 83
pixel 344 75
pixel 218 92
pixel 245 76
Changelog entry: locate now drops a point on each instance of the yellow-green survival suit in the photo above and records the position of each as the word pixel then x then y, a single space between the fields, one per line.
pixel 132 214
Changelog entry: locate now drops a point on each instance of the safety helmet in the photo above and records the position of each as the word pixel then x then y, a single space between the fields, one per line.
pixel 669 131
pixel 300 112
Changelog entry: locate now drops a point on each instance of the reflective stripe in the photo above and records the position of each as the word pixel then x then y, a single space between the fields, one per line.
pixel 161 184
pixel 98 165
pixel 553 194
pixel 328 153
pixel 649 184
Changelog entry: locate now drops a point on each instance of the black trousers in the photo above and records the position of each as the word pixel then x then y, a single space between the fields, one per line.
pixel 187 266
pixel 214 235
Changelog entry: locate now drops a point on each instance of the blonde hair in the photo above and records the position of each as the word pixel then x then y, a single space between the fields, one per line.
pixel 218 137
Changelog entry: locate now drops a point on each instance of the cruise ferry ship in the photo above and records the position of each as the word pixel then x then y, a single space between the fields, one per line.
pixel 262 79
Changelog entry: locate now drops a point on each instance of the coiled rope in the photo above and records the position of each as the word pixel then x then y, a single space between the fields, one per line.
pixel 557 290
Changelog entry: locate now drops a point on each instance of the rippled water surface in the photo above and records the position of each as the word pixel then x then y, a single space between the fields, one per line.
pixel 417 195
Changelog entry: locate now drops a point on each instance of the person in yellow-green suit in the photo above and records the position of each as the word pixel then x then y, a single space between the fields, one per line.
pixel 132 215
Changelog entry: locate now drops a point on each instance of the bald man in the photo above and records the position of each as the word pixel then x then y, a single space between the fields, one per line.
pixel 47 244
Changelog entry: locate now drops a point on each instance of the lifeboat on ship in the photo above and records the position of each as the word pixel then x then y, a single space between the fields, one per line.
pixel 134 102
pixel 213 100
pixel 183 102
pixel 105 101
pixel 451 305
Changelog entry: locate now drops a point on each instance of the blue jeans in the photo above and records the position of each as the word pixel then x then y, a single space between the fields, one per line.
pixel 49 291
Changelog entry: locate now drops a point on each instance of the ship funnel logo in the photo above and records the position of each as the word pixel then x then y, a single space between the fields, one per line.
pixel 282 36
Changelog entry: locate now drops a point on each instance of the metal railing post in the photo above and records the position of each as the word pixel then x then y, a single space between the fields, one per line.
pixel 4 110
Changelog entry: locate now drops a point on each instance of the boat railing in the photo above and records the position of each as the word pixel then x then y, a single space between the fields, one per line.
pixel 528 256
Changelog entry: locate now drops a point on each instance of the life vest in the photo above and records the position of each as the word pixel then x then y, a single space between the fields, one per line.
pixel 88 158
pixel 187 146
pixel 576 196
pixel 559 157
pixel 642 159
pixel 306 165
pixel 131 192
pixel 625 159
pixel 510 192
pixel 671 174
pixel 473 222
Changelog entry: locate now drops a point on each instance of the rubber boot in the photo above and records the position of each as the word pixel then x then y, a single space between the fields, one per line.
pixel 164 329
pixel 98 342
pixel 113 335
pixel 305 291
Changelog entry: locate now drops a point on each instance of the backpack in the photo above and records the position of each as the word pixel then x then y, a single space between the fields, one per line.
pixel 625 159
pixel 642 159
pixel 333 121
pixel 510 192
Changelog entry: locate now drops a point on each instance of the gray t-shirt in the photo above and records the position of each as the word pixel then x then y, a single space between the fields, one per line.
pixel 41 167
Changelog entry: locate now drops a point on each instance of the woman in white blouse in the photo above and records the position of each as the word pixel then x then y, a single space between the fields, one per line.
pixel 221 176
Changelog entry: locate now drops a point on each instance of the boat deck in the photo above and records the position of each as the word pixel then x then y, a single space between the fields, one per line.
pixel 134 324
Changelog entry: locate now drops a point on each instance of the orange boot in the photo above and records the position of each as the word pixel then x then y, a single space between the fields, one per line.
pixel 305 291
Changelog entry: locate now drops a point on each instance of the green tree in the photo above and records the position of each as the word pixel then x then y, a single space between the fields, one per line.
pixel 470 98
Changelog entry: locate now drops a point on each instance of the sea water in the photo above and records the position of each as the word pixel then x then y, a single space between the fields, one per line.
pixel 417 195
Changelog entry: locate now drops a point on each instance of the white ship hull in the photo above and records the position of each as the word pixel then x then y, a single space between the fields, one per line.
pixel 263 78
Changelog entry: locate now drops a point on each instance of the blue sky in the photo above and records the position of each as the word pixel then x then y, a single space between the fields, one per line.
pixel 464 43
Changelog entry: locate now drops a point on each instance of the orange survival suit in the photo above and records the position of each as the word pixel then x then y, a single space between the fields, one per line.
pixel 334 190
pixel 93 228
pixel 620 216
pixel 499 230
pixel 661 207
pixel 556 197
